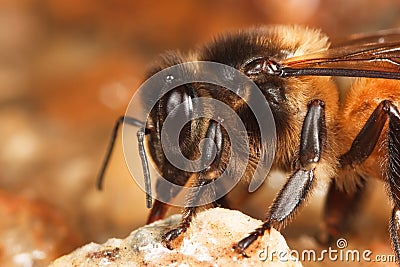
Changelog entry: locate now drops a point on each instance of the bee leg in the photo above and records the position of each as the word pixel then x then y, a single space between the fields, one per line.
pixel 338 210
pixel 199 191
pixel 211 152
pixel 367 138
pixel 393 175
pixel 118 123
pixel 289 199
pixel 364 144
pixel 339 204
pixel 299 185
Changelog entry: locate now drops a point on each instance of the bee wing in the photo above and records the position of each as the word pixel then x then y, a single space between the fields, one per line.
pixel 374 60
pixel 383 36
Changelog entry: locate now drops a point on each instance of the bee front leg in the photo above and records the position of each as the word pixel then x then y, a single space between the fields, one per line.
pixel 189 211
pixel 299 185
pixel 211 151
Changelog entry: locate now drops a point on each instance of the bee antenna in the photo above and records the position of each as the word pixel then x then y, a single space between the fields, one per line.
pixel 145 165
pixel 100 177
pixel 122 119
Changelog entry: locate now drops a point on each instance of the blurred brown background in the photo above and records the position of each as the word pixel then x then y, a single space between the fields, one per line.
pixel 69 68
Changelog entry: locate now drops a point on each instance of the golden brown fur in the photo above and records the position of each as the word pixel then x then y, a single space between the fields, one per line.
pixel 360 102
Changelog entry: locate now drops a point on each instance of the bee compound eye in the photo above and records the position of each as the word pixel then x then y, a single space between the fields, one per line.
pixel 255 67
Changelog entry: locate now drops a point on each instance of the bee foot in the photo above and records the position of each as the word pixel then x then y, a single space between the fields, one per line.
pixel 241 246
pixel 240 250
pixel 170 236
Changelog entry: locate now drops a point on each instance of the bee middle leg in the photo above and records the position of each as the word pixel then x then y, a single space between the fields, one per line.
pixel 339 208
pixel 362 147
pixel 393 174
pixel 300 183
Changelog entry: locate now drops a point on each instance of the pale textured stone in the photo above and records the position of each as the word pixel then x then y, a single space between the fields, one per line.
pixel 208 242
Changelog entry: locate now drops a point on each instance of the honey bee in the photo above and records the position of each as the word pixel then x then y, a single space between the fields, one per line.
pixel 323 135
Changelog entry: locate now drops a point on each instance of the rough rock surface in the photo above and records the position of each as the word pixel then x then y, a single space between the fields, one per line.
pixel 208 242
